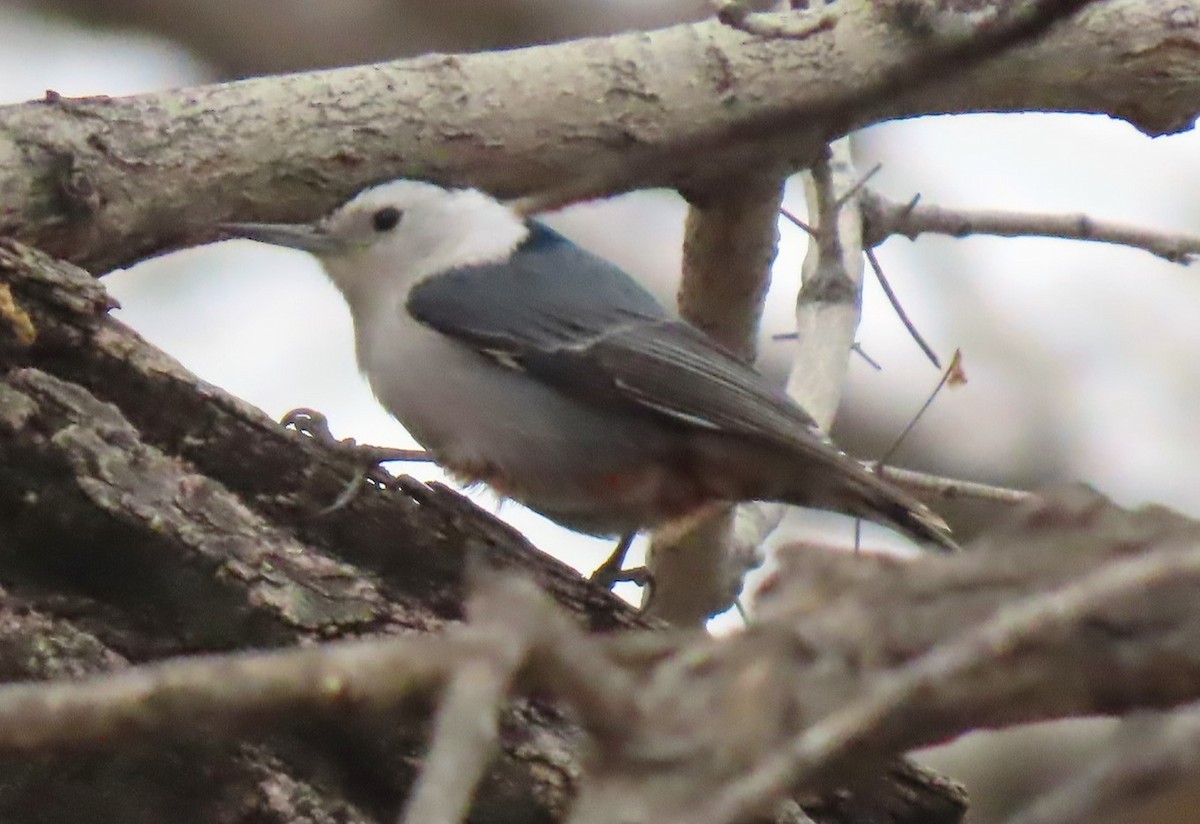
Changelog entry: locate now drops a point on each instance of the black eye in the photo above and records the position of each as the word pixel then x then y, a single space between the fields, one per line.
pixel 386 219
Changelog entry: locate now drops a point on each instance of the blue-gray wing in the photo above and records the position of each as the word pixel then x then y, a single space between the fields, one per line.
pixel 573 320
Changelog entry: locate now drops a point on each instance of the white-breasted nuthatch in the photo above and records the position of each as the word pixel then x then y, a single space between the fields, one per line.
pixel 522 361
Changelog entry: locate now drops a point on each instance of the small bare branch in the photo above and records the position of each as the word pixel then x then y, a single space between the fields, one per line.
pixel 950 488
pixel 222 693
pixel 797 222
pixel 862 353
pixel 894 300
pixel 954 368
pixel 886 218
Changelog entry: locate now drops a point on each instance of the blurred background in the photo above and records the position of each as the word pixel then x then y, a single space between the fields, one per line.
pixel 1081 357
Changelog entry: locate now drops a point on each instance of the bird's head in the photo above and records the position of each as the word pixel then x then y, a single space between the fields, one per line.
pixel 394 235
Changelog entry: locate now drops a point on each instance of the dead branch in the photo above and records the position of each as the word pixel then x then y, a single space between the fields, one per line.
pixel 950 488
pixel 887 217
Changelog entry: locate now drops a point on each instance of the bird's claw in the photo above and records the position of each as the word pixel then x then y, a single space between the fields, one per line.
pixel 367 459
pixel 314 424
pixel 612 570
pixel 608 577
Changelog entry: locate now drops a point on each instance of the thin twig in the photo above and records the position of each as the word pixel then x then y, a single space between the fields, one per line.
pixel 950 488
pixel 862 353
pixel 886 218
pixel 847 195
pixel 899 310
pixel 797 222
pixel 950 370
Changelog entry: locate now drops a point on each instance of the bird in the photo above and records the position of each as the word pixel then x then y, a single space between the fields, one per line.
pixel 522 361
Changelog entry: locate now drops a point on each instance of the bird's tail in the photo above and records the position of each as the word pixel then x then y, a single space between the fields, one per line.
pixel 866 495
pixel 818 476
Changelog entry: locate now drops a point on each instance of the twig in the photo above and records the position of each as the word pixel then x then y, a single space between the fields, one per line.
pixel 886 217
pixel 950 370
pixel 846 196
pixel 940 485
pixel 224 692
pixel 857 349
pixel 884 716
pixel 874 261
pixel 899 310
pixel 950 488
pixel 798 223
pixel 794 25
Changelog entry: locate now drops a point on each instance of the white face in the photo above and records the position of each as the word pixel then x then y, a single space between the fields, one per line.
pixel 391 236
pixel 376 215
pixel 406 230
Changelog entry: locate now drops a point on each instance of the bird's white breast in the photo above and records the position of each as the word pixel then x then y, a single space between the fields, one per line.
pixel 494 423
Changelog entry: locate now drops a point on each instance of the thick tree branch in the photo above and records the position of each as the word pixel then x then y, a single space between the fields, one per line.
pixel 105 182
pixel 729 244
pixel 855 659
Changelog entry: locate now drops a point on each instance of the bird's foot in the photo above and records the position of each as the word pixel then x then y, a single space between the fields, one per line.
pixel 612 571
pixel 608 578
pixel 367 459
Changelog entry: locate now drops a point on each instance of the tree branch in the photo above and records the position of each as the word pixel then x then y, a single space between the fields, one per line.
pixel 950 488
pixel 887 217
pixel 854 660
pixel 729 244
pixel 105 182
